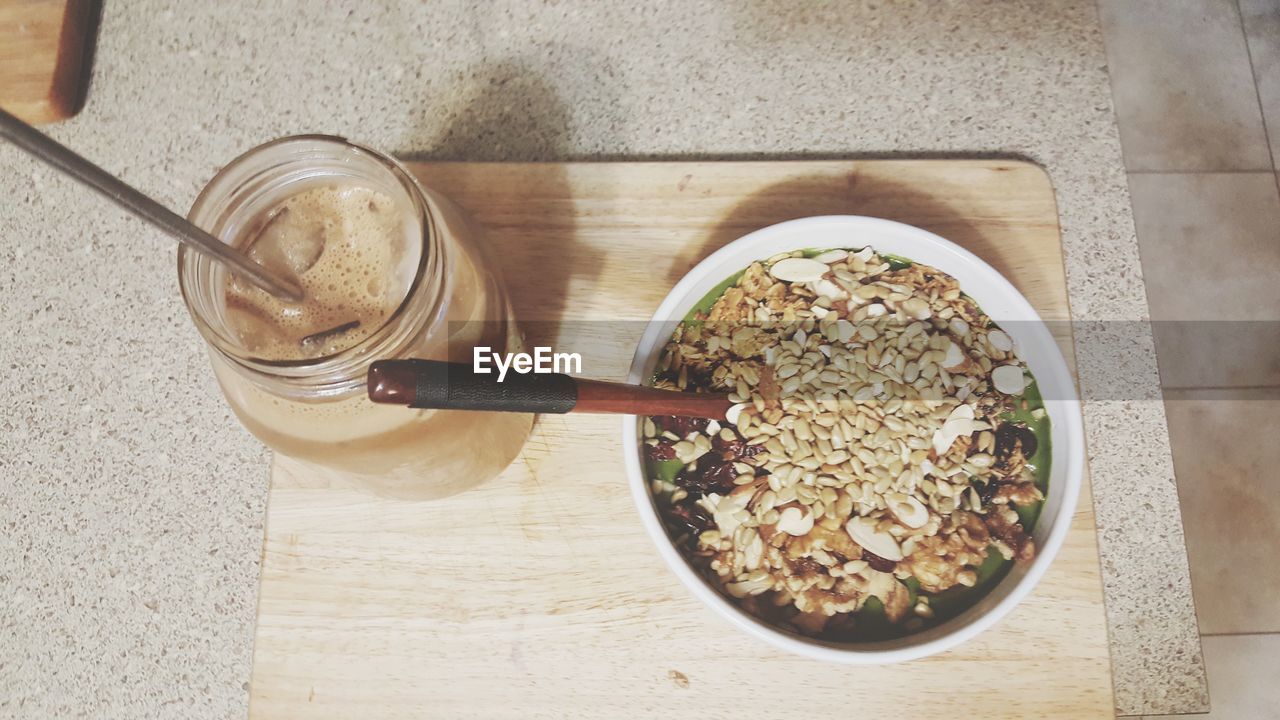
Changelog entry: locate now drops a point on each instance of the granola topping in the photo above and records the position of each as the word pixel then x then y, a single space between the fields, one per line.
pixel 871 452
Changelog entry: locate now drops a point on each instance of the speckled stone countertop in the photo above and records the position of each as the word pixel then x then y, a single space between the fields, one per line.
pixel 131 501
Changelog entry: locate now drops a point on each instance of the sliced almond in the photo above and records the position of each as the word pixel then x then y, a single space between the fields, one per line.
pixel 1009 379
pixel 942 442
pixel 955 357
pixel 831 256
pixel 909 546
pixel 855 566
pixel 883 585
pixel 713 427
pixel 980 460
pixel 731 415
pixel 917 308
pixel 826 288
pixel 876 310
pixel 685 451
pixel 863 531
pixel 727 511
pixel 958 427
pixel 754 551
pixel 794 521
pixel 819 311
pixel 865 253
pixel 845 330
pixel 709 501
pixel 909 511
pixel 999 340
pixel 958 424
pixel 798 270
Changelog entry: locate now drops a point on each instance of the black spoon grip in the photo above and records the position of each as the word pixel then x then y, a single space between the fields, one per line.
pixel 440 385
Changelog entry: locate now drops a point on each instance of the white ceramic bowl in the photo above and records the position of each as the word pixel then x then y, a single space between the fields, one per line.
pixel 998 298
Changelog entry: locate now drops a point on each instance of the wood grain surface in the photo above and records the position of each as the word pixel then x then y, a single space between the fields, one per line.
pixel 43 48
pixel 539 594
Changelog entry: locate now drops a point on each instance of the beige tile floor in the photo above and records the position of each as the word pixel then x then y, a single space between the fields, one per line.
pixel 1196 85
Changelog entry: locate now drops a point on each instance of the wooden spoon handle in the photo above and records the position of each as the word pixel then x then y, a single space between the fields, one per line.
pixel 456 386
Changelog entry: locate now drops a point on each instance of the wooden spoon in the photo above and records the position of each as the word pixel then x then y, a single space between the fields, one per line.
pixel 456 386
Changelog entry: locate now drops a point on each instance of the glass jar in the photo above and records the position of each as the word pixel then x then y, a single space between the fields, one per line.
pixel 316 410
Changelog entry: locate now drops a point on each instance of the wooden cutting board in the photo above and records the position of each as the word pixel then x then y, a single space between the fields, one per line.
pixel 43 54
pixel 539 594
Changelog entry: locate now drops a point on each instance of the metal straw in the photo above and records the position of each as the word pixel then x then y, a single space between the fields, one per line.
pixel 45 148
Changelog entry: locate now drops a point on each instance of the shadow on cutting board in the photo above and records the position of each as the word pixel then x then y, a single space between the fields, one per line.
pixel 859 194
pixel 512 114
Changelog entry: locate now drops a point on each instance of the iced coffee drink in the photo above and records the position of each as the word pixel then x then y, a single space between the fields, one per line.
pixel 389 270
pixel 353 252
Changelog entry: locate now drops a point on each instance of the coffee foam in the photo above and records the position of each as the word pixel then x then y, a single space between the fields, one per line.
pixel 353 250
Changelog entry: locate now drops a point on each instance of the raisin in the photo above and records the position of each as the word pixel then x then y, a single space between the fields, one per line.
pixel 1009 436
pixel 728 448
pixel 719 477
pixel 736 449
pixel 987 490
pixel 690 517
pixel 697 378
pixel 662 451
pixel 878 563
pixel 681 426
pixel 807 567
pixel 711 474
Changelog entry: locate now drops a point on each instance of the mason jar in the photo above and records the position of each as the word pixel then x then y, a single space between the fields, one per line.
pixel 315 408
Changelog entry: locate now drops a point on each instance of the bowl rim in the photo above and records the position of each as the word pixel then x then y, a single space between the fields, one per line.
pixel 1066 410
